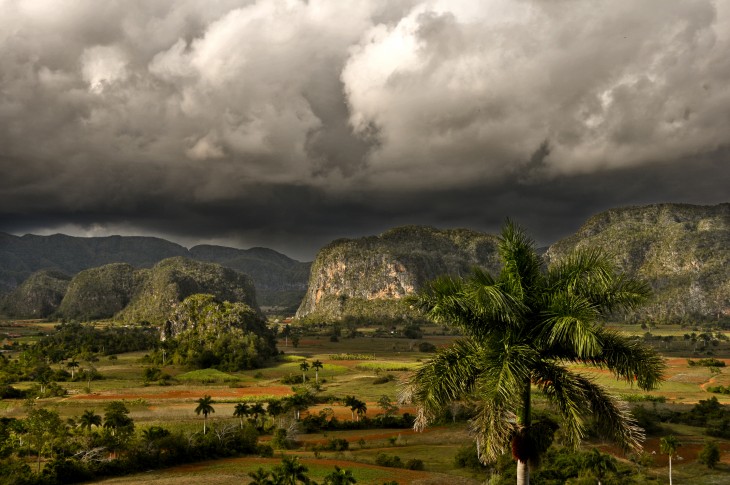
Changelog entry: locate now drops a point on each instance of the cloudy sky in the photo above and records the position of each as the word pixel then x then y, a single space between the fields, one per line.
pixel 289 123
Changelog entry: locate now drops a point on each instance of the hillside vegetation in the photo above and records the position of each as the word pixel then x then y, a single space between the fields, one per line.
pixel 682 251
pixel 38 296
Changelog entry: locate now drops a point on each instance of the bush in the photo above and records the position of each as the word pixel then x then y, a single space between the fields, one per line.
pixel 706 363
pixel 426 347
pixel 392 461
pixel 414 464
pixel 384 379
pixel 466 457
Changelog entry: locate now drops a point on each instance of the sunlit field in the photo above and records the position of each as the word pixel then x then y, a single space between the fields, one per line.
pixel 368 368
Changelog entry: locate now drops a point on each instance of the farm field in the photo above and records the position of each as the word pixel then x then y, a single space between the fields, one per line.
pixel 369 368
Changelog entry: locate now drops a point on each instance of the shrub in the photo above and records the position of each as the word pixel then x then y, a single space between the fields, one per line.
pixel 415 464
pixel 426 347
pixel 392 461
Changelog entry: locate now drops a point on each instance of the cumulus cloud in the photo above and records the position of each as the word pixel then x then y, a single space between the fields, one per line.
pixel 464 93
pixel 281 112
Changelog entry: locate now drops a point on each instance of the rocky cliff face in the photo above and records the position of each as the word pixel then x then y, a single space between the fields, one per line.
pixel 367 278
pixel 683 251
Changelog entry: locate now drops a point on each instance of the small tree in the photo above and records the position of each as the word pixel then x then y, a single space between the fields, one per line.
pixel 710 454
pixel 669 446
pixel 387 405
pixel 205 407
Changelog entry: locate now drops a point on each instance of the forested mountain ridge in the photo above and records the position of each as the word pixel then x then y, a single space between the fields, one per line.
pixel 280 280
pixel 134 295
pixel 681 250
pixel 367 278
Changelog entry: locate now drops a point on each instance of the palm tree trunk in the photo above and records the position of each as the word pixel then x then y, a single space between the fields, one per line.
pixel 523 473
pixel 525 420
pixel 670 469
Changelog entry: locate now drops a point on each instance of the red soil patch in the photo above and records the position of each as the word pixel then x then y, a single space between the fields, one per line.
pixel 191 394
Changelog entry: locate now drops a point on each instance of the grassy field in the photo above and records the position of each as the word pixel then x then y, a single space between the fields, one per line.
pixel 344 374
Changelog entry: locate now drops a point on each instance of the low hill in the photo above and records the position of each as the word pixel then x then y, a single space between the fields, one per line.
pixel 682 250
pixel 38 296
pixel 367 278
pixel 99 292
pixel 172 280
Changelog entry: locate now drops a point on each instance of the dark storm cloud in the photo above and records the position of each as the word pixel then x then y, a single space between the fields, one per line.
pixel 287 123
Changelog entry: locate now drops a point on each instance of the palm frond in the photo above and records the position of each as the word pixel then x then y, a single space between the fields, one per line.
pixel 629 360
pixel 589 272
pixel 450 376
pixel 478 305
pixel 577 397
pixel 522 265
pixel 493 427
pixel 568 396
pixel 569 323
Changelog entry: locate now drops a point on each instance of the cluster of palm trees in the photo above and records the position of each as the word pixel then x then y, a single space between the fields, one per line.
pixel 254 410
pixel 304 367
pixel 525 331
pixel 357 407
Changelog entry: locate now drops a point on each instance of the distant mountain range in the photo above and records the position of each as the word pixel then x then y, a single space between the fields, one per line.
pixel 279 280
pixel 682 251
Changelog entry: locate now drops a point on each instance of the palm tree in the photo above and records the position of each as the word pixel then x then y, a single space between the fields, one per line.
pixel 316 365
pixel 73 364
pixel 339 477
pixel 669 446
pixel 205 407
pixel 360 409
pixel 522 330
pixel 304 367
pixel 291 471
pixel 241 410
pixel 599 463
pixel 275 408
pixel 89 419
pixel 257 409
pixel 350 402
pixel 260 477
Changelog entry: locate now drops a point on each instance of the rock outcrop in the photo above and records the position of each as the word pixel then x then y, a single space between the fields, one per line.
pixel 682 251
pixel 366 279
